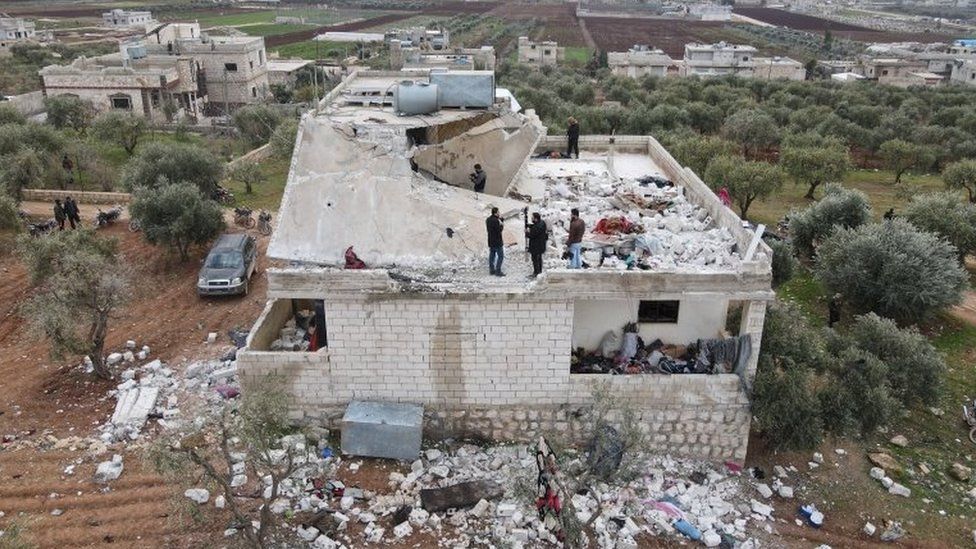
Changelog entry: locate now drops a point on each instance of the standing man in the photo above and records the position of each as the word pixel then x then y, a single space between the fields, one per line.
pixel 496 247
pixel 59 215
pixel 537 234
pixel 71 211
pixel 572 138
pixel 479 178
pixel 575 241
pixel 833 310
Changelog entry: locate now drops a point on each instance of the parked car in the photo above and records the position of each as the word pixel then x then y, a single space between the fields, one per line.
pixel 229 266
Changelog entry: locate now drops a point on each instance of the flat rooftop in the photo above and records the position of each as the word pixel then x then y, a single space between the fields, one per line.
pixel 361 177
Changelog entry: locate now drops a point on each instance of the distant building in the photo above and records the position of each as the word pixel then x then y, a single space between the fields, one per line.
pixel 419 37
pixel 898 72
pixel 710 12
pixel 719 59
pixel 414 58
pixel 547 53
pixel 14 30
pixel 778 68
pixel 640 61
pixel 284 72
pixel 964 72
pixel 846 77
pixel 172 70
pixel 124 18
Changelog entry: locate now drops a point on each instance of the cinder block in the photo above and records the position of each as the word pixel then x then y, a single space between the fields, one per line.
pixel 382 429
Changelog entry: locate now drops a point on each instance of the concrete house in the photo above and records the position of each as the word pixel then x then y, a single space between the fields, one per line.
pixel 406 57
pixel 14 30
pixel 546 53
pixel 380 175
pixel 119 18
pixel 894 71
pixel 640 61
pixel 964 72
pixel 719 59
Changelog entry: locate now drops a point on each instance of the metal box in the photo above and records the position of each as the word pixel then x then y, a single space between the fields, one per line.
pixel 382 429
pixel 463 89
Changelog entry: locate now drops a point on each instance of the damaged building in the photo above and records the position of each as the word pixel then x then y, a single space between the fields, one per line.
pixel 386 295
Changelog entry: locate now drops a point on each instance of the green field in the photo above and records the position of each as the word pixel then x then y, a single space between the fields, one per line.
pixel 313 49
pixel 267 195
pixel 578 56
pixel 226 20
pixel 272 29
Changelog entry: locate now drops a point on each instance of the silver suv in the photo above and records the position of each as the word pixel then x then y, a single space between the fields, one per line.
pixel 229 266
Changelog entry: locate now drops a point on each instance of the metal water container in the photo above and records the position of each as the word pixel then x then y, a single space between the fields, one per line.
pixel 411 97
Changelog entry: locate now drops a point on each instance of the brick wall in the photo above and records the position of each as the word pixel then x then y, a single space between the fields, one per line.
pixel 493 366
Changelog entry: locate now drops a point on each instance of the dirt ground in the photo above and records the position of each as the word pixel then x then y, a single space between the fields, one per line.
pixel 40 396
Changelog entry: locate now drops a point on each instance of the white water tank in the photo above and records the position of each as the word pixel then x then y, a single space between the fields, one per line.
pixel 411 97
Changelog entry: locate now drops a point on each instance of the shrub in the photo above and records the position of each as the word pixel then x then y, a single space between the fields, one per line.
pixel 788 336
pixel 697 151
pixel 914 367
pixel 10 115
pixel 900 156
pixel 892 269
pixel 9 220
pixel 784 261
pixel 123 129
pixel 66 111
pixel 857 396
pixel 961 175
pixel 746 181
pixel 839 207
pixel 177 215
pixel 814 165
pixel 944 215
pixel 753 129
pixel 176 162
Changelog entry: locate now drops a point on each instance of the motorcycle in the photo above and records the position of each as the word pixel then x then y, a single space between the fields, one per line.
pixel 40 229
pixel 222 195
pixel 107 217
pixel 242 217
pixel 264 222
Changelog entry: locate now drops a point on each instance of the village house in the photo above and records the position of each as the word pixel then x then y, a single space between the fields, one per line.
pixel 119 18
pixel 640 61
pixel 14 30
pixel 383 250
pixel 419 37
pixel 541 54
pixel 406 57
pixel 718 59
pixel 172 70
pixel 964 72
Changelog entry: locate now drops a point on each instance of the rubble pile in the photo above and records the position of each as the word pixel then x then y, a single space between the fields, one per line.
pixel 644 223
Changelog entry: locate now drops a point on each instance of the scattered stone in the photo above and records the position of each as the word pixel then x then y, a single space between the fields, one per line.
pixel 109 470
pixel 887 482
pixel 440 471
pixel 57 512
pixel 869 529
pixel 924 469
pixel 960 472
pixel 899 440
pixel 130 344
pixel 818 457
pixel 877 473
pixel 505 509
pixel 212 337
pixel 433 454
pixel 113 359
pixel 780 472
pixel 711 538
pixel 885 461
pixel 900 490
pixel 480 508
pixel 840 452
pixel 761 508
pixel 764 490
pixel 220 502
pixel 230 532
pixel 280 505
pixel 892 532
pixel 937 412
pixel 813 464
pixel 309 533
pixel 199 495
pixel 785 492
pixel 402 530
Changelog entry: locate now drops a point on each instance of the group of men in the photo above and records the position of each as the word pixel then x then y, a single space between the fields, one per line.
pixel 537 233
pixel 67 212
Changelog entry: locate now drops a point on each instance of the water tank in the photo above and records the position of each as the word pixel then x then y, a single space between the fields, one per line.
pixel 411 97
pixel 137 51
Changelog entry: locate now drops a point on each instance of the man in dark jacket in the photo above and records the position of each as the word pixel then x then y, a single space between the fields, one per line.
pixel 537 234
pixel 479 178
pixel 59 214
pixel 572 137
pixel 575 241
pixel 71 211
pixel 496 247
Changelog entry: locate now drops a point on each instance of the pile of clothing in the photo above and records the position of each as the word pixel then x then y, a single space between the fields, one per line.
pixel 630 355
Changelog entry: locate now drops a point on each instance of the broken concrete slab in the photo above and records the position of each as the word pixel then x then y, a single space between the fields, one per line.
pixel 134 406
pixel 459 496
pixel 199 495
pixel 382 429
pixel 109 470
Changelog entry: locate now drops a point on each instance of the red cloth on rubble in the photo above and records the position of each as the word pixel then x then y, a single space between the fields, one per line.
pixel 613 225
pixel 353 261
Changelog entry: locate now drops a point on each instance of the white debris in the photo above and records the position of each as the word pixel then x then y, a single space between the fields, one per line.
pixel 308 534
pixel 869 529
pixel 764 490
pixel 402 530
pixel 711 539
pixel 280 505
pixel 818 457
pixel 785 492
pixel 877 473
pixel 433 454
pixel 212 337
pixel 199 495
pixel 761 508
pixel 899 490
pixel 220 502
pixel 113 359
pixel 109 470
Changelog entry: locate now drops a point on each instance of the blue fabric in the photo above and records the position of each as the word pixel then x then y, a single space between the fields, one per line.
pixel 575 262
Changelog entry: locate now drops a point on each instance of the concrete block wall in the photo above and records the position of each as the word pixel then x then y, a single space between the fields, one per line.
pixel 494 366
pixel 82 197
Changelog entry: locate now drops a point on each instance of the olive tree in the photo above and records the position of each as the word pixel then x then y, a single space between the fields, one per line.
pixel 746 181
pixel 697 151
pixel 80 284
pixel 10 115
pixel 945 215
pixel 840 207
pixel 18 170
pixel 752 129
pixel 177 215
pixel 899 156
pixel 9 217
pixel 283 139
pixel 961 175
pixel 814 165
pixel 857 396
pixel 123 129
pixel 257 123
pixel 157 163
pixel 247 173
pixel 68 111
pixel 892 269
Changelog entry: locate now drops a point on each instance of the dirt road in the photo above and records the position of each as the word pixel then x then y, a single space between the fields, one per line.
pixel 40 397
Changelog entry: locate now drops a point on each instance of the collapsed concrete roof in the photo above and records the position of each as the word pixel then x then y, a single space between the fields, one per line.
pixel 396 189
